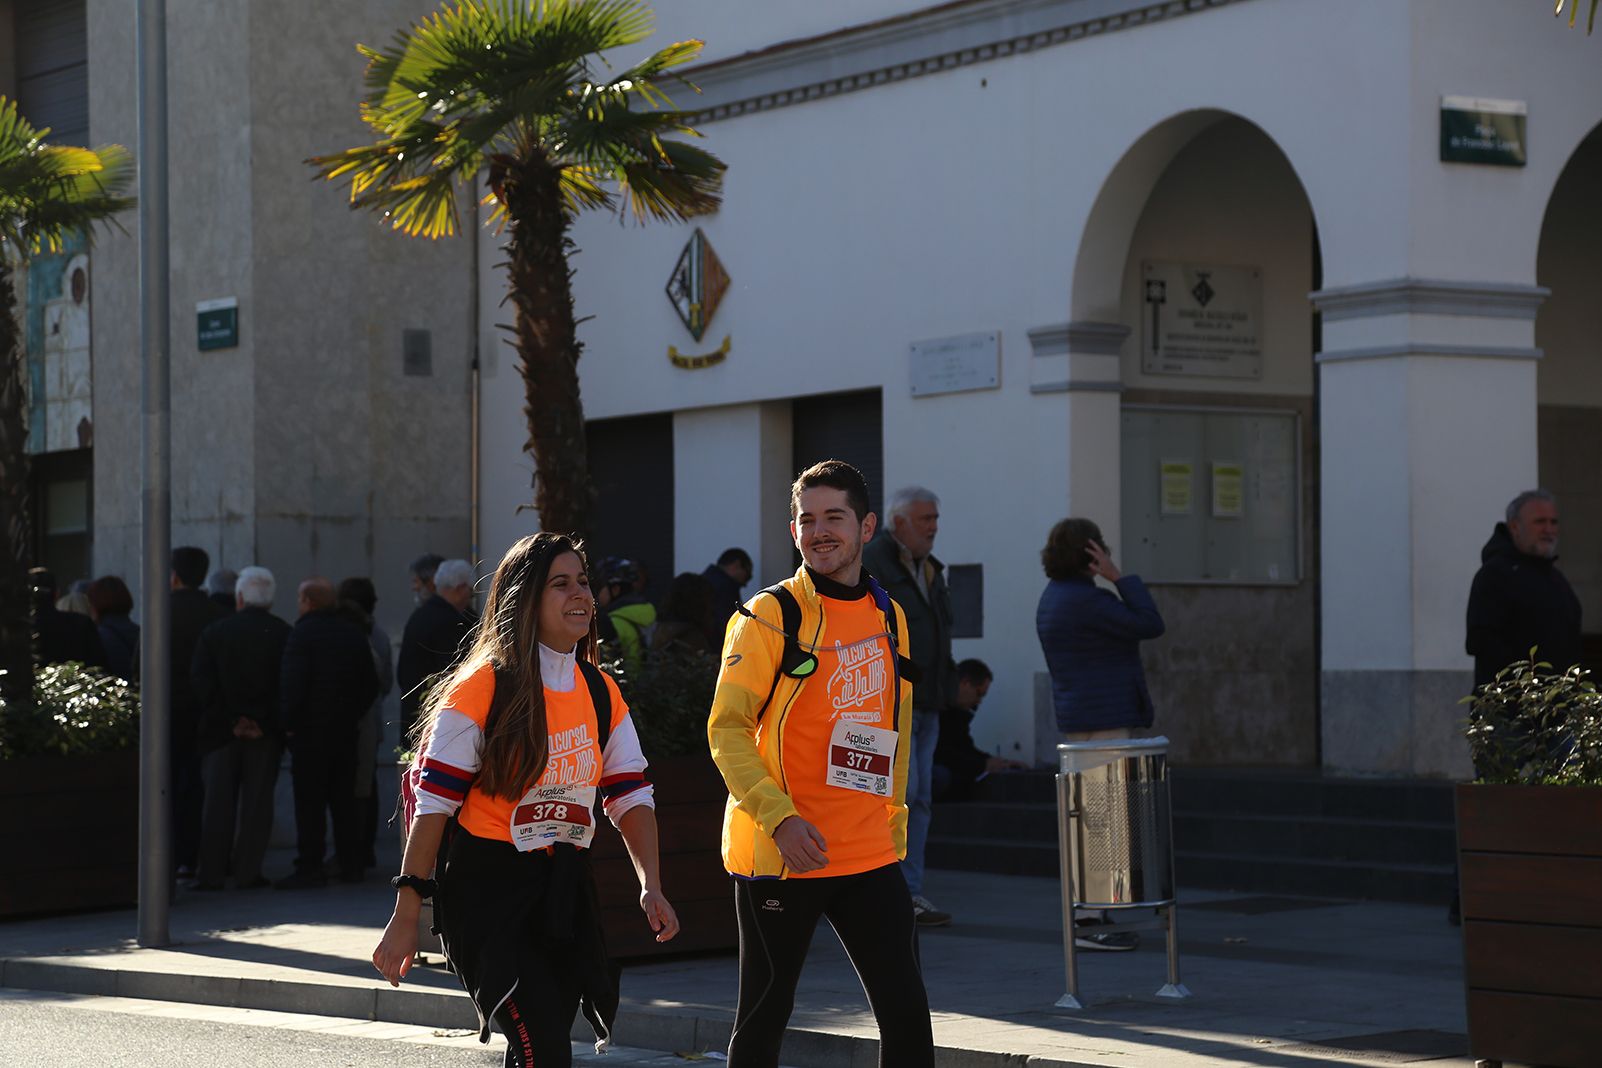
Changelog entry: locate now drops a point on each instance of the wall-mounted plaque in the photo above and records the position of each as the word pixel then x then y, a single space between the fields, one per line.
pixel 1477 130
pixel 217 324
pixel 955 364
pixel 1201 320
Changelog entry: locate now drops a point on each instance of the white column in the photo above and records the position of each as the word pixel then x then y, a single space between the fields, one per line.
pixel 1427 429
pixel 731 475
pixel 1080 362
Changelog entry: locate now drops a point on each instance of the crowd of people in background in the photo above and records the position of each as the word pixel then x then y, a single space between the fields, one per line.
pixel 247 687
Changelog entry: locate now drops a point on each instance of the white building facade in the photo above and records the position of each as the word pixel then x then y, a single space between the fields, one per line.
pixel 1196 270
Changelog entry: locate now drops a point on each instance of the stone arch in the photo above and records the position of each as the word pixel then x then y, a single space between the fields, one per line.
pixel 1096 286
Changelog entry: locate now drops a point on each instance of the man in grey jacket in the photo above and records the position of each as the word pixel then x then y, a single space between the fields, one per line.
pixel 903 561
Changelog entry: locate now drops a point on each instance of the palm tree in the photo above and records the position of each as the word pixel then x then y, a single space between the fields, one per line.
pixel 521 88
pixel 47 193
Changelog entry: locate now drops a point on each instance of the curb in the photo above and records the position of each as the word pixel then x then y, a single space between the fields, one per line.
pixel 662 1030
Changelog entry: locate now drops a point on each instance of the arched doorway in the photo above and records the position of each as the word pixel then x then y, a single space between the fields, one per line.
pixel 1568 330
pixel 1191 314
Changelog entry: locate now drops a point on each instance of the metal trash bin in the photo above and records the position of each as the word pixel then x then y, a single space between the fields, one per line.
pixel 1115 841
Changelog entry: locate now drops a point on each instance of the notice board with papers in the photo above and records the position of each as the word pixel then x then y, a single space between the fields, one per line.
pixel 1212 495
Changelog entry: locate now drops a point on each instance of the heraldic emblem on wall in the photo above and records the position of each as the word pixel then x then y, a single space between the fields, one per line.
pixel 695 290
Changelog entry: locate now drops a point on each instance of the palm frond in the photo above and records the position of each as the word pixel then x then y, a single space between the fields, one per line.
pixel 685 182
pixel 525 79
pixel 1574 13
pixel 48 191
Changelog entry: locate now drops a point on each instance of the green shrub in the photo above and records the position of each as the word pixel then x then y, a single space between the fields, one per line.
pixel 77 710
pixel 669 694
pixel 1532 726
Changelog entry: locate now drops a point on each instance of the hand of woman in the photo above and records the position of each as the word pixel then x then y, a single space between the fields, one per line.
pixel 659 914
pixel 1101 564
pixel 393 957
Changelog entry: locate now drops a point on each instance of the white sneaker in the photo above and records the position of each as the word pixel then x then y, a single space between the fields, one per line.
pixel 924 914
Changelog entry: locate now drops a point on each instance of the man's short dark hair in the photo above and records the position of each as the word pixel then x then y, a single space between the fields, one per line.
pixel 735 556
pixel 425 566
pixel 975 671
pixel 835 474
pixel 191 564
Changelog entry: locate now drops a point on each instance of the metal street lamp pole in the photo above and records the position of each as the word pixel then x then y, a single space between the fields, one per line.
pixel 155 727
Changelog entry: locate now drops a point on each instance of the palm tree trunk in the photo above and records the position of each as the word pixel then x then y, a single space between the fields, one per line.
pixel 548 347
pixel 16 625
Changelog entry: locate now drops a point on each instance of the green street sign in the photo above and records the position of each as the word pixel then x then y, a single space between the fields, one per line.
pixel 217 324
pixel 1475 130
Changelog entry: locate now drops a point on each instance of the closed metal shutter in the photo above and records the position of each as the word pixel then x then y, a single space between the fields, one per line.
pixel 842 426
pixel 52 40
pixel 631 463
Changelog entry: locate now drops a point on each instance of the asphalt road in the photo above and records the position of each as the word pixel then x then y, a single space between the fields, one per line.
pixel 41 1030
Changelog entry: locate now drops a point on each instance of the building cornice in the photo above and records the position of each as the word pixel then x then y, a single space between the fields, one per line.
pixel 1429 296
pixel 1421 348
pixel 935 39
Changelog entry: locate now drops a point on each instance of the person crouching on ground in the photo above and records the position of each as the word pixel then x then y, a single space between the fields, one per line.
pixel 516 749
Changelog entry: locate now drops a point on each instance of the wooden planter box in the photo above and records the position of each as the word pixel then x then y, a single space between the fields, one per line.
pixel 70 838
pixel 1530 863
pixel 689 816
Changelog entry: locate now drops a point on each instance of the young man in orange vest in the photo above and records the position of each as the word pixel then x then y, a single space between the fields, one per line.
pixel 811 728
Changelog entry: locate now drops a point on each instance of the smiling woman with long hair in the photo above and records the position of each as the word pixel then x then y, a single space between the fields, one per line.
pixel 517 744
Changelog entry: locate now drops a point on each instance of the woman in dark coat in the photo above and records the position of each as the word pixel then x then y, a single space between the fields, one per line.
pixel 112 605
pixel 1092 637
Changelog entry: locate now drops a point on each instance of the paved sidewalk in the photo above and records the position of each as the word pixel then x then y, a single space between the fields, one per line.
pixel 1277 982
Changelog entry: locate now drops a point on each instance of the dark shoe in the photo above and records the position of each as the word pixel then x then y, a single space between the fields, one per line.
pixel 351 876
pixel 1108 941
pixel 924 914
pixel 302 880
pixel 260 882
pixel 206 886
pixel 1097 933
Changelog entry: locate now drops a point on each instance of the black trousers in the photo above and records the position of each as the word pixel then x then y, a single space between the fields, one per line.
pixel 239 777
pixel 537 1019
pixel 323 770
pixel 872 914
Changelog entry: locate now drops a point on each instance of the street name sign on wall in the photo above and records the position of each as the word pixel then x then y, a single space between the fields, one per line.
pixel 217 323
pixel 955 364
pixel 1476 130
pixel 1201 320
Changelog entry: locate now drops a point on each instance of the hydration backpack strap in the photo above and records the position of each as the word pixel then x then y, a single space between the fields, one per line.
pixel 600 700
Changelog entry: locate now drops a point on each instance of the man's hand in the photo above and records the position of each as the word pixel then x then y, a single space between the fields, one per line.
pixel 801 845
pixel 1101 564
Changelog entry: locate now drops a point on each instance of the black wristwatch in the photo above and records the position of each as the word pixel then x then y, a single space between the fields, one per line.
pixel 424 888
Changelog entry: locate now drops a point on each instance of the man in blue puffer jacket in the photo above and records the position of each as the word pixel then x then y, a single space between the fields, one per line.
pixel 1092 638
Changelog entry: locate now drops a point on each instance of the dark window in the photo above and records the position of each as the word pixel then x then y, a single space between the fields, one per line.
pixel 63 513
pixel 842 426
pixel 417 352
pixel 631 463
pixel 967 584
pixel 52 50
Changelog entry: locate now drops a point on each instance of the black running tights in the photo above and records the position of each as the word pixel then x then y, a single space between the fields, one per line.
pixel 537 1019
pixel 872 914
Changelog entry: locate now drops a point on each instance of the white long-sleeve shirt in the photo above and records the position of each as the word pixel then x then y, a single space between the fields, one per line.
pixel 452 753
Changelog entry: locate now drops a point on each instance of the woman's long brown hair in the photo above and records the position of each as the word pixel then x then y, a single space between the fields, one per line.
pixel 513 755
